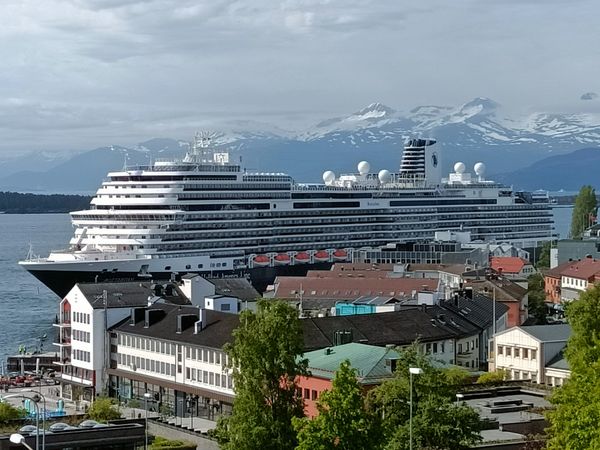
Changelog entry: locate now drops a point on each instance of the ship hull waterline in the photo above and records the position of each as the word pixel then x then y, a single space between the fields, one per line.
pixel 61 282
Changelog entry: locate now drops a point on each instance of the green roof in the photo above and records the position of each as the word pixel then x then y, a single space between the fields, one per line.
pixel 368 360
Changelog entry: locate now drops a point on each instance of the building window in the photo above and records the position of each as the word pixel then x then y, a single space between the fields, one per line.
pixel 533 354
pixel 187 373
pixel 500 350
pixel 508 351
pixel 525 353
pixel 306 393
pixel 313 395
pixel 517 352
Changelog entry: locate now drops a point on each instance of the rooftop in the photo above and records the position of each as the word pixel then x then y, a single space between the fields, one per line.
pixel 585 268
pixel 559 362
pixel 123 294
pixel 370 361
pixel 235 287
pixel 508 264
pixel 350 288
pixel 545 333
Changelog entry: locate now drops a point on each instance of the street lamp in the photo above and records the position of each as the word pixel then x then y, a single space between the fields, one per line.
pixel 147 395
pixel 36 399
pixel 412 371
pixel 459 398
pixel 17 438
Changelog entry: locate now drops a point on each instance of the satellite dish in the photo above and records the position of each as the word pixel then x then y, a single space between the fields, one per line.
pixel 459 167
pixel 479 169
pixel 384 176
pixel 328 177
pixel 364 167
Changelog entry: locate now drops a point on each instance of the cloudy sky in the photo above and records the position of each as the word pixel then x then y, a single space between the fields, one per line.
pixel 77 74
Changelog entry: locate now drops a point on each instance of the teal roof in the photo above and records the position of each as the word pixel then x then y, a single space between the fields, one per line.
pixel 368 360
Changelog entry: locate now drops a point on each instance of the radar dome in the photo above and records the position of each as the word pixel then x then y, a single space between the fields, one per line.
pixel 459 167
pixel 479 169
pixel 328 177
pixel 384 176
pixel 364 167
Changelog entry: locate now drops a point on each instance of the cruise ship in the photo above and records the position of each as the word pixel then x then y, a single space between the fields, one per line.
pixel 208 215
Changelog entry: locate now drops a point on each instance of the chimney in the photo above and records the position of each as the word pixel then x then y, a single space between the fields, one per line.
pixel 201 322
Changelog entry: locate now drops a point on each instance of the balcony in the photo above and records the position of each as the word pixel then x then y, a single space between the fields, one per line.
pixel 65 342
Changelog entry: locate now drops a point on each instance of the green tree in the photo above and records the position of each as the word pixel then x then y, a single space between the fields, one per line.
pixel 584 211
pixel 496 377
pixel 439 422
pixel 265 358
pixel 543 261
pixel 343 422
pixel 537 298
pixel 574 421
pixel 9 412
pixel 104 409
pixel 161 443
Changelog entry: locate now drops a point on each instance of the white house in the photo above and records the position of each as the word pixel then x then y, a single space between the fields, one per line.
pixel 532 352
pixel 85 314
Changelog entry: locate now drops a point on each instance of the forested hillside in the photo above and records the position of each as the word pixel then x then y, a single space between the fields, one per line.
pixel 16 203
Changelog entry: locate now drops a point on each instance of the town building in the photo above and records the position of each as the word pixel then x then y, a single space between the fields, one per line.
pixel 373 366
pixel 577 277
pixel 85 314
pixel 175 353
pixel 504 291
pixel 532 352
pixel 512 267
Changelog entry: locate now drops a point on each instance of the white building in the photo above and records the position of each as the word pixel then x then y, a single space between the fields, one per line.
pixel 532 352
pixel 84 315
pixel 176 354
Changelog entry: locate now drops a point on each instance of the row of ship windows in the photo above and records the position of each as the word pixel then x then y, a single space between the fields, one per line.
pixel 311 231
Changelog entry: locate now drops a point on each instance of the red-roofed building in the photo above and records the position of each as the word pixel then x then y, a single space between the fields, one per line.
pixel 577 277
pixel 552 280
pixel 290 288
pixel 513 267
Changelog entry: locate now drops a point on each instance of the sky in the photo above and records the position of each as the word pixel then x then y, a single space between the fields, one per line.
pixel 79 74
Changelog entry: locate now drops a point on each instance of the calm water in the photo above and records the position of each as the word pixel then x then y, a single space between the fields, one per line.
pixel 27 307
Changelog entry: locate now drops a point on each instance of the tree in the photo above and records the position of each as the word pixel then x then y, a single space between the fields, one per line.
pixel 585 211
pixel 265 358
pixel 343 422
pixel 496 377
pixel 574 421
pixel 438 421
pixel 537 298
pixel 103 409
pixel 9 412
pixel 543 261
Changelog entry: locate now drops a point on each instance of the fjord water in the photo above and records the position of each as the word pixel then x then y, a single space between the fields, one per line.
pixel 27 307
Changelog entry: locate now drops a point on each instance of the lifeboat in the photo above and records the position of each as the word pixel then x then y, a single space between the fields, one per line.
pixel 322 255
pixel 261 260
pixel 282 259
pixel 340 255
pixel 302 258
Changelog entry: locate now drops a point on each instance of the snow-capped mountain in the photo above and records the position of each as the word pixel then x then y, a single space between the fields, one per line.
pixel 479 130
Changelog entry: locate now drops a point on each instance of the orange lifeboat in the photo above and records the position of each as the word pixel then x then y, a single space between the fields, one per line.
pixel 322 255
pixel 261 260
pixel 282 259
pixel 302 257
pixel 340 255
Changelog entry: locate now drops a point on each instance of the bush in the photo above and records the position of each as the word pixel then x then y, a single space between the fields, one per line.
pixel 103 409
pixel 496 377
pixel 9 412
pixel 160 443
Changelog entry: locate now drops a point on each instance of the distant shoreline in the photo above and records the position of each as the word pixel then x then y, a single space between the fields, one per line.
pixel 17 203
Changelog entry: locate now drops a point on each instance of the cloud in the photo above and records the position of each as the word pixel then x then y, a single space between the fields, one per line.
pixel 589 96
pixel 87 69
